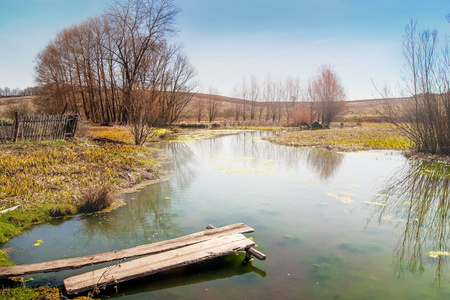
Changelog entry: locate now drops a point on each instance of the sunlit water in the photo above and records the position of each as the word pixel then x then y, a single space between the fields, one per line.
pixel 333 225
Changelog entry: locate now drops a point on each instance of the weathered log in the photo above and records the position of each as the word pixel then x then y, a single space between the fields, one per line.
pixel 74 263
pixel 259 255
pixel 141 267
pixel 9 209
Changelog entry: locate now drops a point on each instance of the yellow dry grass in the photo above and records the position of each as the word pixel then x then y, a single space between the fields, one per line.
pixel 117 133
pixel 375 136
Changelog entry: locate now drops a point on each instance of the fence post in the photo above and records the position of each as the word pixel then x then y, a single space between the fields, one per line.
pixel 16 127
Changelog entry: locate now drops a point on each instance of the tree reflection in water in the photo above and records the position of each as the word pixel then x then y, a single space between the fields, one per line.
pixel 417 197
pixel 150 217
pixel 324 162
pixel 184 162
pixel 145 219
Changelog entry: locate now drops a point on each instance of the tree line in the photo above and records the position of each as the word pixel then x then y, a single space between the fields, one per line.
pixel 118 67
pixel 282 101
pixel 17 92
pixel 320 100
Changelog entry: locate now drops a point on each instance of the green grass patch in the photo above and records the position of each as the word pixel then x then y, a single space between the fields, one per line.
pixel 18 293
pixel 4 260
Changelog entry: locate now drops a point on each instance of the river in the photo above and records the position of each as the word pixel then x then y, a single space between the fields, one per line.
pixel 359 225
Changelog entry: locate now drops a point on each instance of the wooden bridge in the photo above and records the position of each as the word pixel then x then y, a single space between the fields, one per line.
pixel 159 257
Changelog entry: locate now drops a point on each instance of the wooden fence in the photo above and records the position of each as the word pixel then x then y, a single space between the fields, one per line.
pixel 38 128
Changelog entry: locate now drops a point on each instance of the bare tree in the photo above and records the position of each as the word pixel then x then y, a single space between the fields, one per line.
pixel 424 117
pixel 214 105
pixel 94 66
pixel 201 107
pixel 269 97
pixel 327 93
pixel 6 91
pixel 244 96
pixel 280 98
pixel 237 104
pixel 241 91
pixel 178 91
pixel 138 26
pixel 254 96
pixel 141 115
pixel 293 94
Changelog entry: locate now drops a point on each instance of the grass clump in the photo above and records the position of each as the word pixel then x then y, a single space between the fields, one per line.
pixel 96 199
pixel 63 210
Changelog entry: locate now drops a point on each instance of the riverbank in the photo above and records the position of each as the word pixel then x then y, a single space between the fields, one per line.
pixel 368 136
pixel 41 181
pixel 59 179
pixel 365 137
pixel 56 179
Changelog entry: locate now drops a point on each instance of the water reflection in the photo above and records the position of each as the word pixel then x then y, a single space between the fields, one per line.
pixel 324 162
pixel 147 217
pixel 416 197
pixel 338 258
pixel 210 270
pixel 184 162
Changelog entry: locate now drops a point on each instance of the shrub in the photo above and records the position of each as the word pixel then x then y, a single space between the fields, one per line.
pixel 22 108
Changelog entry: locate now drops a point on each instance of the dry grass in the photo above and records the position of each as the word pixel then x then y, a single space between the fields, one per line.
pixel 116 133
pixel 96 198
pixel 11 104
pixel 47 179
pixel 54 172
pixel 346 139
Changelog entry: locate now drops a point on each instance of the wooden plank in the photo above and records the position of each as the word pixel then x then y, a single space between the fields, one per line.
pixel 259 255
pixel 16 127
pixel 46 127
pixel 157 263
pixel 78 262
pixel 9 209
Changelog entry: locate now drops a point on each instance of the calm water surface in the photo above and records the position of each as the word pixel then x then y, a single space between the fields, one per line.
pixel 333 225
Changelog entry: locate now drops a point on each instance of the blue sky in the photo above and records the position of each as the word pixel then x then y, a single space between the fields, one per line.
pixel 226 40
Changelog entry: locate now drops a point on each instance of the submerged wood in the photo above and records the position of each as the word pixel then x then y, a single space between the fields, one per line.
pixel 74 263
pixel 156 263
pixel 252 251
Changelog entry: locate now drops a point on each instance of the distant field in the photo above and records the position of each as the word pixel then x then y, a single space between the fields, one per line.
pixel 357 110
pixel 10 104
